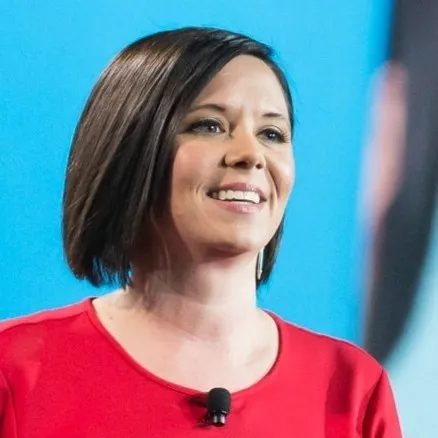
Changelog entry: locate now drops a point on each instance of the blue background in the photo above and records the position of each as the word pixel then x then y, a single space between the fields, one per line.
pixel 53 52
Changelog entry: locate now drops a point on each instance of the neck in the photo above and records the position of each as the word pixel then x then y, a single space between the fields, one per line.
pixel 200 324
pixel 213 300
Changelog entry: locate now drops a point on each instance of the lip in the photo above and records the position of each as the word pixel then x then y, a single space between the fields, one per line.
pixel 241 186
pixel 244 208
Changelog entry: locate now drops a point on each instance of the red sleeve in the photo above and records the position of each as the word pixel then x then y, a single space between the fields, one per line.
pixel 8 427
pixel 381 419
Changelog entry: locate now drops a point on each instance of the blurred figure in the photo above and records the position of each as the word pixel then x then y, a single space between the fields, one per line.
pixel 401 178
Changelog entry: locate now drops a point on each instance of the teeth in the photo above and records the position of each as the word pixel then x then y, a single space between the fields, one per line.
pixel 236 195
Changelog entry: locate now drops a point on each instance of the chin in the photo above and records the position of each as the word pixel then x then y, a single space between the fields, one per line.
pixel 238 244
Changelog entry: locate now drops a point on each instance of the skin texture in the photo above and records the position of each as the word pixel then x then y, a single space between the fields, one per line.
pixel 236 144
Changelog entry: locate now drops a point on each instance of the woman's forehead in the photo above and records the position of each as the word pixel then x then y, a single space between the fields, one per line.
pixel 245 81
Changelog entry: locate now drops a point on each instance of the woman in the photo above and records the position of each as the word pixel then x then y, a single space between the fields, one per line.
pixel 177 182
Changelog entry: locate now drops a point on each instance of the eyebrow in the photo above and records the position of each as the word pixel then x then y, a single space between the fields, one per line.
pixel 222 109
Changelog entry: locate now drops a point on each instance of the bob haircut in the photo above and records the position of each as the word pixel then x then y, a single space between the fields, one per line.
pixel 120 161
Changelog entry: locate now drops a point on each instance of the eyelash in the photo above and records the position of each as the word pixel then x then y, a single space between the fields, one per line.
pixel 204 123
pixel 282 137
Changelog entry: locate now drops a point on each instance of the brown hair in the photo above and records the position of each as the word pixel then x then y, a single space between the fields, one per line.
pixel 120 160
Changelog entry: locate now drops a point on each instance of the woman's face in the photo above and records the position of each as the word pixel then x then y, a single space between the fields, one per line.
pixel 233 169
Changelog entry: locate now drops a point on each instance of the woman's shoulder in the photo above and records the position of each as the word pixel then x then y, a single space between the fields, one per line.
pixel 42 317
pixel 22 337
pixel 354 387
pixel 317 350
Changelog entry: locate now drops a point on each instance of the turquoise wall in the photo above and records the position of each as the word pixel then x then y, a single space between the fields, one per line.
pixel 51 54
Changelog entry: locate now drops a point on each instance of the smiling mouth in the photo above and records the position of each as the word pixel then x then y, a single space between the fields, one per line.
pixel 246 196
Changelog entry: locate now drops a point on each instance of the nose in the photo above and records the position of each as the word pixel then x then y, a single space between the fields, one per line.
pixel 245 152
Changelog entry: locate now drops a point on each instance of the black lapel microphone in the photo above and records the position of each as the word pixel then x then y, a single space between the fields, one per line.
pixel 218 406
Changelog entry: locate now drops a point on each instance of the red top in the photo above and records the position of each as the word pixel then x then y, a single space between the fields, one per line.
pixel 63 375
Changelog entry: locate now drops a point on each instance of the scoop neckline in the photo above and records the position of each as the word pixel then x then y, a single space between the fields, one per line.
pixel 245 392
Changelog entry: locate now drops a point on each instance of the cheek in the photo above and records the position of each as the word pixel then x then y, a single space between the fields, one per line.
pixel 190 171
pixel 184 168
pixel 285 176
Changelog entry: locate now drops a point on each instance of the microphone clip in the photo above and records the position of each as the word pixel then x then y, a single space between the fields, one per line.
pixel 218 406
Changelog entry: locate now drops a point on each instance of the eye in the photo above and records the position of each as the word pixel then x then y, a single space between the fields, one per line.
pixel 274 135
pixel 207 126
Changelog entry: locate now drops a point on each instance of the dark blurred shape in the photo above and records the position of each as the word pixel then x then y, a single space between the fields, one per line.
pixel 401 238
